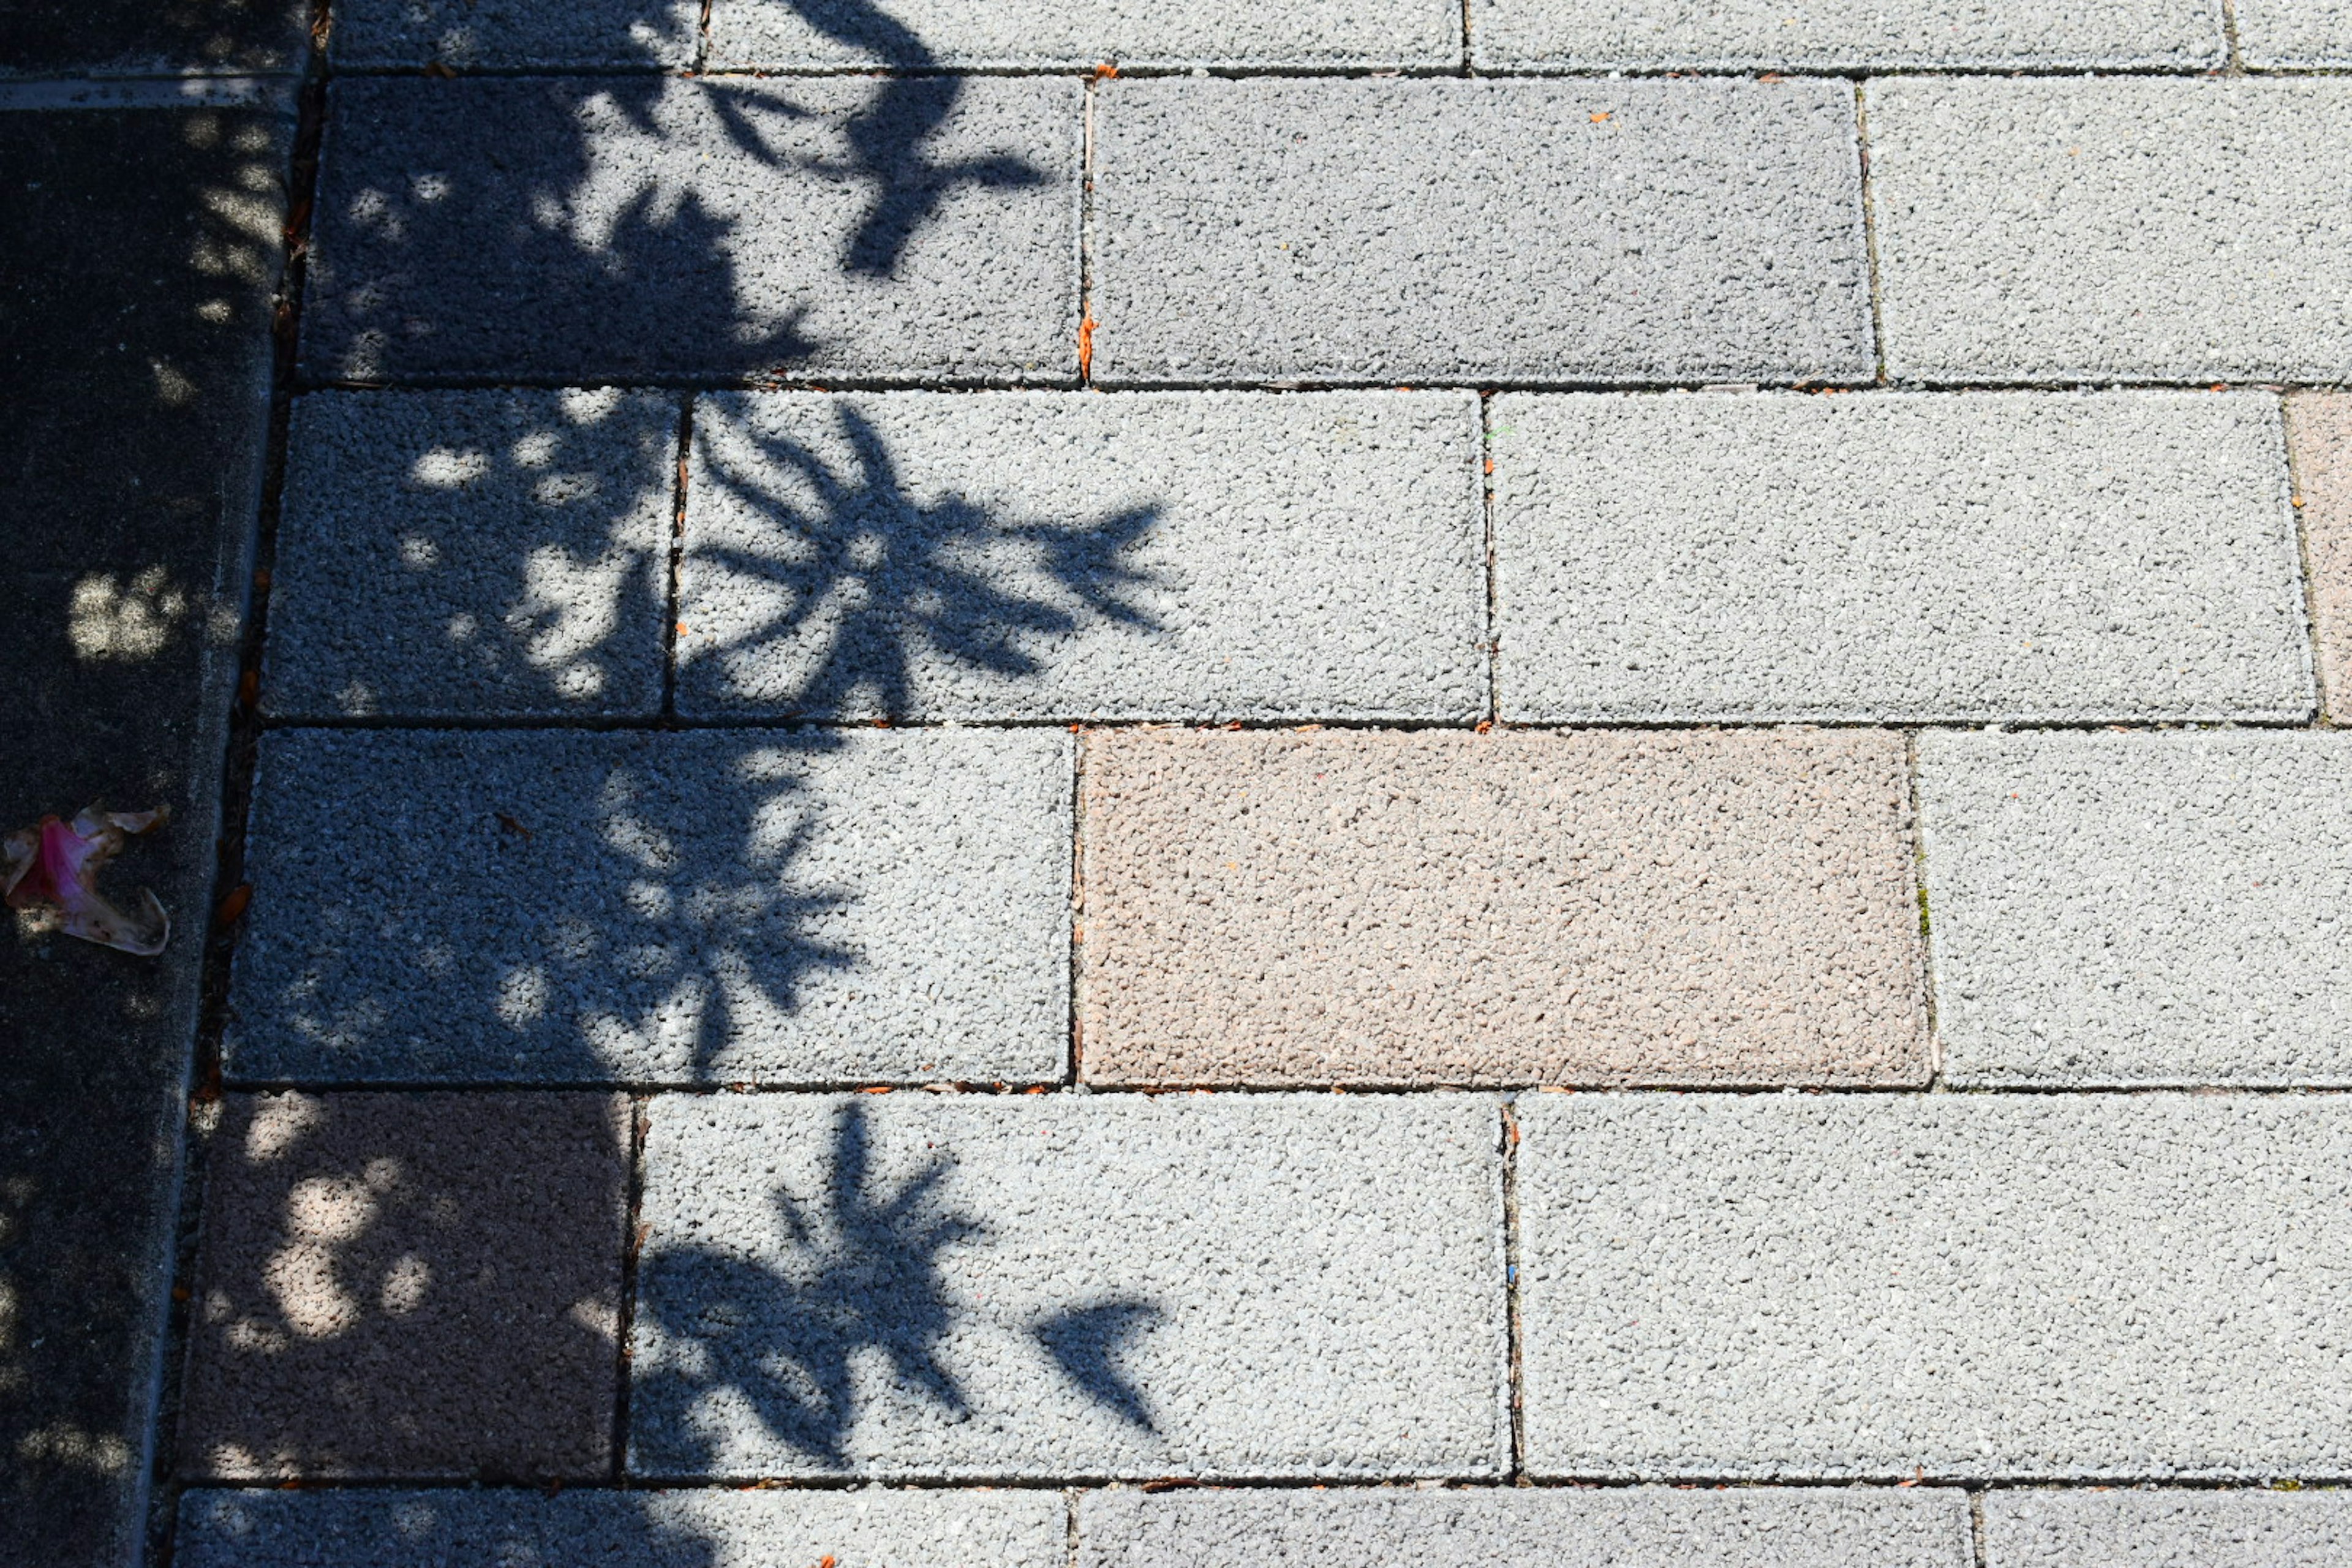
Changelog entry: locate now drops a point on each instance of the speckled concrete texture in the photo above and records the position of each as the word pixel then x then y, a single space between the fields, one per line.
pixel 2168 1528
pixel 981 1286
pixel 2296 33
pixel 2319 430
pixel 1510 1527
pixel 921 33
pixel 1589 231
pixel 473 554
pixel 561 906
pixel 1844 35
pixel 1040 555
pixel 2125 228
pixel 909 228
pixel 510 35
pixel 2120 908
pixel 400 1285
pixel 1895 557
pixel 1960 1285
pixel 1443 907
pixel 691 1529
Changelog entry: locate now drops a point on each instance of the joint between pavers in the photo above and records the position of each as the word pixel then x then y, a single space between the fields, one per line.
pixel 1917 828
pixel 1087 322
pixel 2323 717
pixel 1491 640
pixel 1513 1328
pixel 1869 202
pixel 1074 1039
pixel 632 1236
pixel 1977 1528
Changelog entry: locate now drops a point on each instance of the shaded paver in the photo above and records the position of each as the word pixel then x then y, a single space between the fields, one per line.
pixel 1068 556
pixel 516 34
pixel 1606 231
pixel 2296 33
pixel 140 37
pixel 2167 1528
pixel 2319 426
pixel 473 554
pixel 1542 1529
pixel 397 1285
pixel 1446 907
pixel 696 1529
pixel 1987 1286
pixel 2164 908
pixel 1844 35
pixel 921 228
pixel 977 1286
pixel 1902 557
pixel 565 908
pixel 2112 229
pixel 1309 34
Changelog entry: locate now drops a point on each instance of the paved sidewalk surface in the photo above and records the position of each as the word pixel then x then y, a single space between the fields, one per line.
pixel 1114 786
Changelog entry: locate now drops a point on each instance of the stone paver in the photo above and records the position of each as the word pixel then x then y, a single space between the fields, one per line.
pixel 2167 1528
pixel 1589 231
pixel 1895 557
pixel 916 228
pixel 798 35
pixel 515 33
pixel 2145 229
pixel 979 1286
pixel 2296 33
pixel 564 907
pixel 401 1285
pixel 1841 35
pixel 1447 907
pixel 2164 908
pixel 1503 1527
pixel 141 38
pixel 690 1529
pixel 473 554
pixel 1074 556
pixel 1963 1285
pixel 2319 426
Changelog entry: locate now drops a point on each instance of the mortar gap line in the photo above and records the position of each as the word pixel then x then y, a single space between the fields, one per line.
pixel 1870 229
pixel 1925 909
pixel 2234 58
pixel 1977 1528
pixel 1514 1383
pixel 2298 506
pixel 701 42
pixel 1086 234
pixel 633 1202
pixel 1074 950
pixel 1485 475
pixel 673 594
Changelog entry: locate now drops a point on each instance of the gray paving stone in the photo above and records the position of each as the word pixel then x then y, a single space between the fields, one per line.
pixel 560 907
pixel 2140 908
pixel 696 1528
pixel 473 554
pixel 929 34
pixel 616 228
pixel 2296 33
pixel 1896 557
pixel 2125 228
pixel 1843 35
pixel 1070 1286
pixel 1974 1286
pixel 1641 1527
pixel 1026 555
pixel 2168 1528
pixel 1547 232
pixel 516 34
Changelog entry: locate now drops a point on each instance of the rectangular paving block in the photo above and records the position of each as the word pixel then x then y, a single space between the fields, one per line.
pixel 2145 1529
pixel 1040 555
pixel 2305 34
pixel 408 1285
pixel 473 554
pixel 616 228
pixel 2140 908
pixel 508 35
pixel 1518 1527
pixel 1895 557
pixel 2319 432
pixel 1524 231
pixel 1444 907
pixel 1977 1286
pixel 560 907
pixel 920 34
pixel 1059 1286
pixel 2122 228
pixel 1841 35
pixel 688 1529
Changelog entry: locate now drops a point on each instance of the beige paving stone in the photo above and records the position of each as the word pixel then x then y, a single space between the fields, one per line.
pixel 1304 906
pixel 2319 438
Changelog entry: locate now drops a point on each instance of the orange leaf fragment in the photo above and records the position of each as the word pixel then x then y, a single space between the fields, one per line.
pixel 1086 348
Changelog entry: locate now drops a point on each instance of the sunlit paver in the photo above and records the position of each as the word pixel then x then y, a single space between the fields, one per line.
pixel 2167 1528
pixel 920 34
pixel 2319 426
pixel 2294 33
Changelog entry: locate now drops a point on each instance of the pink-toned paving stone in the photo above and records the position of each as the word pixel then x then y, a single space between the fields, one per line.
pixel 1727 907
pixel 408 1285
pixel 2319 435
